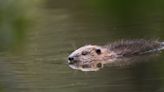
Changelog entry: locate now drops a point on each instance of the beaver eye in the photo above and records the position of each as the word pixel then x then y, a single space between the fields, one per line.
pixel 99 65
pixel 84 53
pixel 98 51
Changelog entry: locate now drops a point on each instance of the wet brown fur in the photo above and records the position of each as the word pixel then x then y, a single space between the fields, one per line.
pixel 117 51
pixel 127 48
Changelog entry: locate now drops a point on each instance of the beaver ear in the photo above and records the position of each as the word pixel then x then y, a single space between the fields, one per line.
pixel 98 51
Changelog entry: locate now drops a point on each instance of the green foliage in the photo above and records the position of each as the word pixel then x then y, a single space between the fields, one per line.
pixel 127 8
pixel 14 21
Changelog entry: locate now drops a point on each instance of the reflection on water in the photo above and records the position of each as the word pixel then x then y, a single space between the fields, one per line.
pixel 39 63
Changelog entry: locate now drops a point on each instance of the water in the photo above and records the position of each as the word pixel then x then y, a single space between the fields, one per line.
pixel 39 62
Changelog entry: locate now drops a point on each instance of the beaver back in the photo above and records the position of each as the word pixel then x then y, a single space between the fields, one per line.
pixel 134 47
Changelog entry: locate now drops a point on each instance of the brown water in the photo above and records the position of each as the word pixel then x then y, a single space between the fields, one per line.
pixel 39 64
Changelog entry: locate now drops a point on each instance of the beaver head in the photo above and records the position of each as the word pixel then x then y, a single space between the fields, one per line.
pixel 89 58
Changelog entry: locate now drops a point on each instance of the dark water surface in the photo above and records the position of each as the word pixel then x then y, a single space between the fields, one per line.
pixel 40 63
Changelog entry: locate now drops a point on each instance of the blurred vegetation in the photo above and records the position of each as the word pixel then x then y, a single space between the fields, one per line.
pixel 127 9
pixel 15 18
pixel 133 17
pixel 147 15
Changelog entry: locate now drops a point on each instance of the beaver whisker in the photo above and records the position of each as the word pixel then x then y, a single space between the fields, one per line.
pixel 73 45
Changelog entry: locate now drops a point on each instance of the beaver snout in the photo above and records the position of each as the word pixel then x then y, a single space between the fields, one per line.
pixel 71 60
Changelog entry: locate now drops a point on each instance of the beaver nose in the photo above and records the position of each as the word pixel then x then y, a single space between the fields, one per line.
pixel 71 60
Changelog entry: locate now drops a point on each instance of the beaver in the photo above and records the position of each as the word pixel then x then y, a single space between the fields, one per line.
pixel 93 57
